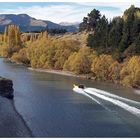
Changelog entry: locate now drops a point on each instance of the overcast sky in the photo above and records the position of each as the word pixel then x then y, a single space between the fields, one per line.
pixel 63 11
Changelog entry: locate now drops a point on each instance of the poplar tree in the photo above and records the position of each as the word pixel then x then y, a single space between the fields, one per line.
pixel 12 39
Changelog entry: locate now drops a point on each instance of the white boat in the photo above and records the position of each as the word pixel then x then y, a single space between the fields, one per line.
pixel 79 88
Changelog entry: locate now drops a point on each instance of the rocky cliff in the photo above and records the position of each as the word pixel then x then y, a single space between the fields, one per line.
pixel 6 88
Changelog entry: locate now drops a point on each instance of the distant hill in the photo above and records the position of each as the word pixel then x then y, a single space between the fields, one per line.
pixel 76 24
pixel 27 23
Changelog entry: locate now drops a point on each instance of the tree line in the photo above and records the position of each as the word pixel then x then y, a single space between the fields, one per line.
pixel 119 37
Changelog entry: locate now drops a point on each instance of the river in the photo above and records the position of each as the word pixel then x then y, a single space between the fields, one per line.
pixel 50 108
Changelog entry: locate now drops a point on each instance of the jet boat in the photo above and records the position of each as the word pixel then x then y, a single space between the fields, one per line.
pixel 79 88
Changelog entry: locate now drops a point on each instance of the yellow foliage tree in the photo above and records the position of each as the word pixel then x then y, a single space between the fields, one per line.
pixel 100 66
pixel 114 71
pixel 21 57
pixel 130 73
pixel 12 40
pixel 80 63
pixel 70 62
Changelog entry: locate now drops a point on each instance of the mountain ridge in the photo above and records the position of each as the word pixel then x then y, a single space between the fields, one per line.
pixel 28 23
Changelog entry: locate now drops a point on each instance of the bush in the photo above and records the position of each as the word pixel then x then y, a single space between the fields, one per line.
pixel 130 73
pixel 21 57
pixel 100 66
pixel 80 63
pixel 114 71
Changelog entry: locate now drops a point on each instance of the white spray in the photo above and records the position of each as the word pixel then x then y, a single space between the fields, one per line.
pixel 131 109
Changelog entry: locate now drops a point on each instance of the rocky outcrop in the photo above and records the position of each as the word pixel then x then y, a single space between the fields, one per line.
pixel 6 88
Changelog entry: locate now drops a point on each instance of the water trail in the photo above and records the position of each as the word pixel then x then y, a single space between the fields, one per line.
pixel 113 96
pixel 95 100
pixel 133 110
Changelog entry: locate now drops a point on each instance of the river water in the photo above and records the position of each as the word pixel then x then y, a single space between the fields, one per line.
pixel 50 108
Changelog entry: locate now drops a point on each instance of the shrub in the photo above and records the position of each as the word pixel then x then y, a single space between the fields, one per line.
pixel 130 73
pixel 100 66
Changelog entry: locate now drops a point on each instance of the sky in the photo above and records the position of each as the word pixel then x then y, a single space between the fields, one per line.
pixel 64 11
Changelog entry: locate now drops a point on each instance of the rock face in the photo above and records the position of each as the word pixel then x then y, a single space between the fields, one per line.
pixel 6 88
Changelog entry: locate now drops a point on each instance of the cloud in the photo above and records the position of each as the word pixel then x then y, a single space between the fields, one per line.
pixel 70 12
pixel 111 9
pixel 54 13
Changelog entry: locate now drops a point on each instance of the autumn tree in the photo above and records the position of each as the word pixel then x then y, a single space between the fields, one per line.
pixel 130 73
pixel 100 66
pixel 114 72
pixel 21 57
pixel 80 62
pixel 12 40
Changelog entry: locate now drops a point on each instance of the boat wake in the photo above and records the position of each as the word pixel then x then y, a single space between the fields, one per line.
pixel 112 95
pixel 114 99
pixel 80 91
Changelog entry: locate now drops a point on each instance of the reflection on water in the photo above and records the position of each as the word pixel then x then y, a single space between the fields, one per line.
pixel 51 109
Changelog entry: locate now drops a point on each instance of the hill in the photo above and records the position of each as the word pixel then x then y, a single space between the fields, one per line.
pixel 27 23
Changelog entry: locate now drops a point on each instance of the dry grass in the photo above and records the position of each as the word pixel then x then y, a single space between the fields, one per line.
pixel 80 37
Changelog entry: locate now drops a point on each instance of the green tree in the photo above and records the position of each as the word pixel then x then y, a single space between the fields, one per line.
pixel 90 22
pixel 115 32
pixel 99 39
pixel 137 43
pixel 130 28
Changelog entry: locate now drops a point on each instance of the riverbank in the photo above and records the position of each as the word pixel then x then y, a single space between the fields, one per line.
pixel 61 72
pixel 84 76
pixel 68 73
pixel 11 123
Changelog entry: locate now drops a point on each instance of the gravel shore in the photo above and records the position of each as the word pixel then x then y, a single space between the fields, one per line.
pixel 61 72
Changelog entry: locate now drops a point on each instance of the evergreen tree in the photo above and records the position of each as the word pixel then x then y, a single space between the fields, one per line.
pixel 115 32
pixel 83 25
pixel 99 39
pixel 137 44
pixel 90 22
pixel 131 28
pixel 119 35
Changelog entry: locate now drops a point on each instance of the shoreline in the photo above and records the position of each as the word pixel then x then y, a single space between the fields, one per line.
pixel 30 133
pixel 68 73
pixel 61 72
pixel 12 123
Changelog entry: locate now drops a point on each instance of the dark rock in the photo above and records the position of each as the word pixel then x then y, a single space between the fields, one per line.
pixel 6 88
